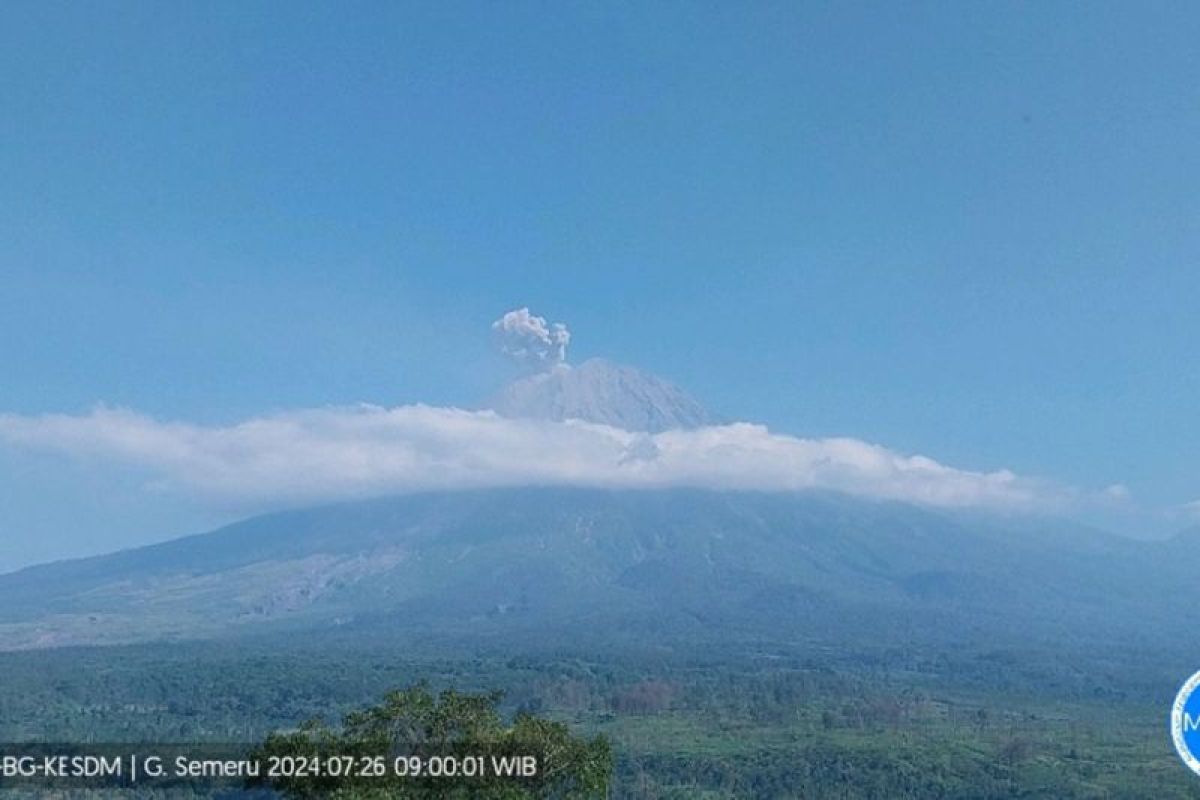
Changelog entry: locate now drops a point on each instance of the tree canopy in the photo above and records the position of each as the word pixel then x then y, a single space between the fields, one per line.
pixel 416 744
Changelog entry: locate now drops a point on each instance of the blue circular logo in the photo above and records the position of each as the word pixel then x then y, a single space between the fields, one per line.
pixel 1185 723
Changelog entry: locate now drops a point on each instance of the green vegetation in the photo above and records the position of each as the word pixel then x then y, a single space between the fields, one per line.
pixel 897 724
pixel 418 745
pixel 726 644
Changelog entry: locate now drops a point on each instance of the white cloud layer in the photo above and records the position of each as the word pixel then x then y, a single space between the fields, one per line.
pixel 335 453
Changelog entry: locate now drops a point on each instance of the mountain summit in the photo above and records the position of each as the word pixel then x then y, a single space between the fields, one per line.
pixel 603 392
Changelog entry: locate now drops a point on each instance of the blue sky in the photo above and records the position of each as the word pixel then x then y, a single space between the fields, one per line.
pixel 966 230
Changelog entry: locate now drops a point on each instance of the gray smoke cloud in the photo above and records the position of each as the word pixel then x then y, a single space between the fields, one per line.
pixel 530 341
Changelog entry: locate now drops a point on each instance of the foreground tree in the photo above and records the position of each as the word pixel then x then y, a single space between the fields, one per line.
pixel 452 745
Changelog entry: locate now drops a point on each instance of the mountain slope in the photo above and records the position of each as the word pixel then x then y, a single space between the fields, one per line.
pixel 604 392
pixel 651 566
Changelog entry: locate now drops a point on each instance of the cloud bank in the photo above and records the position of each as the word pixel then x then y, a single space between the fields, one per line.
pixel 530 341
pixel 327 454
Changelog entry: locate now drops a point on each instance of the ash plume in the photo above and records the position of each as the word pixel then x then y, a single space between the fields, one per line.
pixel 531 342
